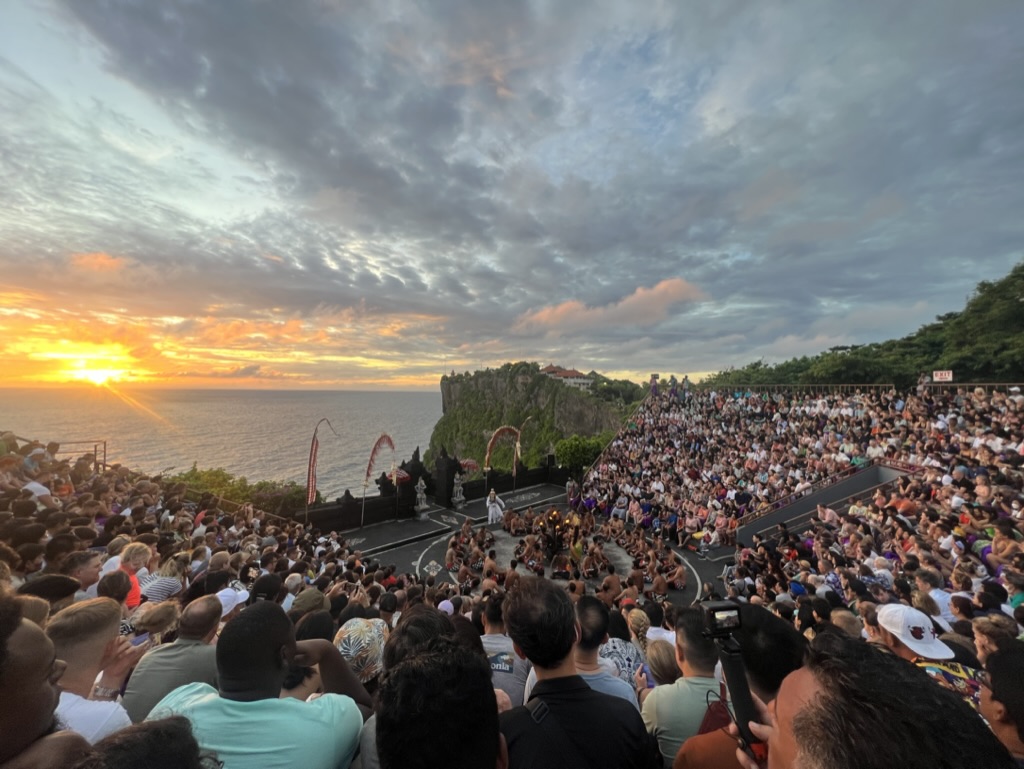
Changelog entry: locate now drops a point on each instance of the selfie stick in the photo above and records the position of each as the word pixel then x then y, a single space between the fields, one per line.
pixel 739 693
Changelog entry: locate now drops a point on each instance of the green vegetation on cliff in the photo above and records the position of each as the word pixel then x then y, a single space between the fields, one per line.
pixel 284 498
pixel 517 394
pixel 982 343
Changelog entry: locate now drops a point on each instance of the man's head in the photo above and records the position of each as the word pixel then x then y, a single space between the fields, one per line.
pixel 494 622
pixel 29 672
pixel 852 700
pixel 592 616
pixel 82 632
pixel 444 688
pixel 1002 694
pixel 254 652
pixel 695 654
pixel 200 619
pixel 541 622
pixel 771 648
pixel 84 566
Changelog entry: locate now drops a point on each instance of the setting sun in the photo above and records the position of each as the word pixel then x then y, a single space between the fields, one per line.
pixel 98 376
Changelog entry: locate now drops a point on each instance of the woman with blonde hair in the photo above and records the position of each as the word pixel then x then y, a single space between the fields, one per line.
pixel 133 558
pixel 639 624
pixel 169 580
pixel 661 659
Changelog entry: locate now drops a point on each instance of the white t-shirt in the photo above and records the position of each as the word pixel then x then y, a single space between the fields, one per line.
pixel 93 719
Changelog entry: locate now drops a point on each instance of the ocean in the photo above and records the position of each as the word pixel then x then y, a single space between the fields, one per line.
pixel 259 434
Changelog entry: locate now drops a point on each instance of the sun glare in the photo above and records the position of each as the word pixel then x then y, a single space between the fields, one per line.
pixel 98 376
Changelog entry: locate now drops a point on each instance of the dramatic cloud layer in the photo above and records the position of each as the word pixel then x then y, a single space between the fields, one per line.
pixel 341 194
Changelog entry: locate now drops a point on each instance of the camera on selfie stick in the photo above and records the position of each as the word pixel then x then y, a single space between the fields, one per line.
pixel 721 619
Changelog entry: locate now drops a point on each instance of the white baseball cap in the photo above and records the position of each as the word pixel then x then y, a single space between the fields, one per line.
pixel 231 600
pixel 914 630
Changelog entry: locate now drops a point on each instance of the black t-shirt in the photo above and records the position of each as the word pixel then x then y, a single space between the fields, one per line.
pixel 582 728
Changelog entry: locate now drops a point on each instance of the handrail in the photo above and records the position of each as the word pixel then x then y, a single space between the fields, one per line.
pixel 970 385
pixel 776 387
pixel 868 491
pixel 831 480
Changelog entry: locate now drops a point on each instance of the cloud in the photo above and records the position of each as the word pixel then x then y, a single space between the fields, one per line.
pixel 97 262
pixel 644 307
pixel 346 194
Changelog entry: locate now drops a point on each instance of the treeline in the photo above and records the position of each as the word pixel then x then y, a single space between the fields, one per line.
pixel 982 343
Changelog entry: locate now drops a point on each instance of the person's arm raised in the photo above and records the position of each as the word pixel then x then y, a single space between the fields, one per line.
pixel 335 673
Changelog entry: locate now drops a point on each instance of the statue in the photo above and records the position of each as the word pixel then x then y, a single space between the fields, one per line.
pixel 421 495
pixel 458 496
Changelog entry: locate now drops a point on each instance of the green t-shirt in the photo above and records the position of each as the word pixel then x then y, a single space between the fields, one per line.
pixel 268 734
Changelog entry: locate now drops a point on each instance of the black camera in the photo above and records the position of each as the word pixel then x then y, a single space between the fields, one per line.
pixel 721 618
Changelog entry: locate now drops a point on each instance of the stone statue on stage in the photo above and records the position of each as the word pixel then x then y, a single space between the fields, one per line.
pixel 421 495
pixel 458 495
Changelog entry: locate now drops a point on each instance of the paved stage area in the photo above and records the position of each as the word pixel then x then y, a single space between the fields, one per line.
pixel 418 546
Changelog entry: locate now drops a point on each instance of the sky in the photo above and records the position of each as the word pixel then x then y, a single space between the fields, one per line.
pixel 365 195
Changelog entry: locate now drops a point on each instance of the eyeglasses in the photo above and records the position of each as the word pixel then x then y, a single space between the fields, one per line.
pixel 985 679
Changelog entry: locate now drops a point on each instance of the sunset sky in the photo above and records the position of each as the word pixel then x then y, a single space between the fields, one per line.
pixel 334 194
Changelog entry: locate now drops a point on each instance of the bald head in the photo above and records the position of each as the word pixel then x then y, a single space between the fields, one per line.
pixel 200 618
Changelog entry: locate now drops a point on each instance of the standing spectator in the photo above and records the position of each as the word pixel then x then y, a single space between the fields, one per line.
pixel 86 637
pixel 565 723
pixel 247 717
pixel 674 713
pixel 771 649
pixel 189 659
pixel 444 689
pixel 592 617
pixel 508 670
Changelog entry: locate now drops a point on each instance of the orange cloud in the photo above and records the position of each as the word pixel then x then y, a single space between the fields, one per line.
pixel 644 307
pixel 98 262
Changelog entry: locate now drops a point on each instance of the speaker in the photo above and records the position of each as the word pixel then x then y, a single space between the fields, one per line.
pixel 551 460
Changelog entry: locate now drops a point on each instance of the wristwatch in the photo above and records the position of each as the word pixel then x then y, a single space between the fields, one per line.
pixel 103 693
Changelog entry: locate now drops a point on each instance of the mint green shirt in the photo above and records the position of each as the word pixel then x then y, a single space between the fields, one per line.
pixel 268 734
pixel 673 712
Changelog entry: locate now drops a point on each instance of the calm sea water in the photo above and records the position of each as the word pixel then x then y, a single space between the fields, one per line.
pixel 263 435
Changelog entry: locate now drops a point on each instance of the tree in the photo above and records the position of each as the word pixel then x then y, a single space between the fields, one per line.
pixel 577 452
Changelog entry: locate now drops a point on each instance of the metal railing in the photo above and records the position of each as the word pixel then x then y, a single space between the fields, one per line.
pixel 797 388
pixel 831 480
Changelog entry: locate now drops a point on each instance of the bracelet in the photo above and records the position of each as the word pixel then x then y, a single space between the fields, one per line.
pixel 102 692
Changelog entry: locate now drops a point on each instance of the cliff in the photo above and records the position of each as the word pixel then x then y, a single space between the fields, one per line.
pixel 517 394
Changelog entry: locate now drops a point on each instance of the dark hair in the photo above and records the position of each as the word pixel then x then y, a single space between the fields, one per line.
pixel 417 627
pixel 593 618
pixel 167 743
pixel 617 626
pixel 417 700
pixel 1006 675
pixel 771 647
pixel 492 608
pixel 250 644
pixel 868 693
pixel 466 634
pixel 822 608
pixel 700 651
pixel 315 624
pixel 655 613
pixel 116 585
pixel 540 619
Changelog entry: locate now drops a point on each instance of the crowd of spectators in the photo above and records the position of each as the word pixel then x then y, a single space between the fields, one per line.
pixel 139 627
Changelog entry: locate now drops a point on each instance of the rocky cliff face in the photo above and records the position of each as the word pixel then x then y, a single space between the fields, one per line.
pixel 474 405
